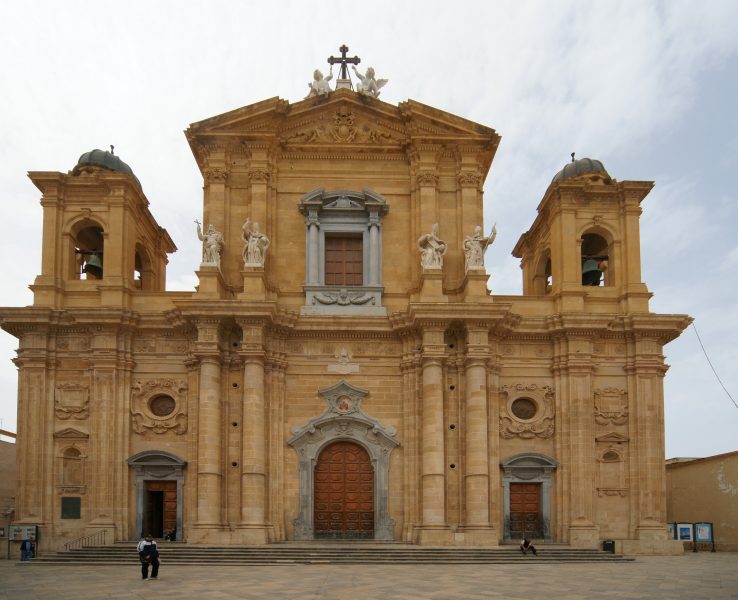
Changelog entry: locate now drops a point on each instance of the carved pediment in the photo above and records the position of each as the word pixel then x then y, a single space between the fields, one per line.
pixel 70 433
pixel 342 118
pixel 343 124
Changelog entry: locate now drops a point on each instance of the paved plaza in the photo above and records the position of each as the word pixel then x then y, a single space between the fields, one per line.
pixel 691 576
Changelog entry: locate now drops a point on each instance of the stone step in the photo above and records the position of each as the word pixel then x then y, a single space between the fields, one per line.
pixel 276 554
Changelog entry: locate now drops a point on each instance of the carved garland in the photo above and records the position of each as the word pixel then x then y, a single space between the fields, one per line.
pixel 72 401
pixel 145 420
pixel 541 424
pixel 611 406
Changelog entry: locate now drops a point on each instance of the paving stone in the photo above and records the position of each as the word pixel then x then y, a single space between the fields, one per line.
pixel 690 577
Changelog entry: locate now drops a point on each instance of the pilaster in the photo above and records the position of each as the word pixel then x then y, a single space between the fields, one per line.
pixel 477 528
pixel 253 458
pixel 434 529
pixel 209 434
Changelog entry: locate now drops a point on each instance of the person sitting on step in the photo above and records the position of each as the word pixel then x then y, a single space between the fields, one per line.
pixel 526 545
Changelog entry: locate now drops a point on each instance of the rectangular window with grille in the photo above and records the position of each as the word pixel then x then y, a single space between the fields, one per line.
pixel 344 261
pixel 71 507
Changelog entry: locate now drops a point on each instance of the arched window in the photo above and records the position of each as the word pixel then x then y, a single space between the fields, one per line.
pixel 88 251
pixel 595 260
pixel 72 467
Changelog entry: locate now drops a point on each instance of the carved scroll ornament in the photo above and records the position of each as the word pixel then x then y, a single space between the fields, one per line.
pixel 159 405
pixel 539 422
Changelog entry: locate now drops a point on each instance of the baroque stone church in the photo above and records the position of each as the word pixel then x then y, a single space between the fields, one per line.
pixel 341 370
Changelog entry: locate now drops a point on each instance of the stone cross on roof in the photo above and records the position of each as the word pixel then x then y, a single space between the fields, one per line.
pixel 344 80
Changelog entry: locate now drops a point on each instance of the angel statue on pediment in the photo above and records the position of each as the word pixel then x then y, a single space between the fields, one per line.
pixel 369 86
pixel 319 86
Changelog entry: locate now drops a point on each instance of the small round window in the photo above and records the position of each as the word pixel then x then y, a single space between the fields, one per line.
pixel 162 406
pixel 524 408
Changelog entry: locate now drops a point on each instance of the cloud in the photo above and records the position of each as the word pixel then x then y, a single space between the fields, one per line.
pixel 609 80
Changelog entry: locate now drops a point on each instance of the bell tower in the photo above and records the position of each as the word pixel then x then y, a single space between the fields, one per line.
pixel 100 242
pixel 583 248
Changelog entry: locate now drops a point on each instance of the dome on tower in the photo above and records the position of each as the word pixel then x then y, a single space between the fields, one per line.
pixel 106 160
pixel 581 166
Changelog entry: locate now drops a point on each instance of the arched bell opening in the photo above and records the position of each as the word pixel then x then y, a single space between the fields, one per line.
pixel 143 271
pixel 595 257
pixel 542 277
pixel 88 249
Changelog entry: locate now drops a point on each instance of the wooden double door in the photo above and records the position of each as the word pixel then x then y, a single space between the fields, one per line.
pixel 344 492
pixel 160 507
pixel 525 511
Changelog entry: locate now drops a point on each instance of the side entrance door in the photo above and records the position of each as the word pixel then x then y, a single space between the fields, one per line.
pixel 344 493
pixel 525 511
pixel 160 507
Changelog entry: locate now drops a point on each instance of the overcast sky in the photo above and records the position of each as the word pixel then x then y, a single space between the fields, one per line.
pixel 649 88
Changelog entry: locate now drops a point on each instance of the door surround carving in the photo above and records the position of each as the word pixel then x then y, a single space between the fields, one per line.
pixel 344 420
pixel 156 465
pixel 529 467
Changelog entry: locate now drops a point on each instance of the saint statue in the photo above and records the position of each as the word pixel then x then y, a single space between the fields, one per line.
pixel 475 246
pixel 432 248
pixel 212 241
pixel 255 245
pixel 319 86
pixel 369 86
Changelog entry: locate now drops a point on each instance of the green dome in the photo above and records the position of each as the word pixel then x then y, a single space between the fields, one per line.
pixel 106 160
pixel 581 166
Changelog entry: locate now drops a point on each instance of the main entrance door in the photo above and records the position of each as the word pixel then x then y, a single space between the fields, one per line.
pixel 525 510
pixel 344 492
pixel 160 507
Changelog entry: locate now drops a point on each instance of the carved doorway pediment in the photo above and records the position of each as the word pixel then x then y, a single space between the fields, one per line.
pixel 343 420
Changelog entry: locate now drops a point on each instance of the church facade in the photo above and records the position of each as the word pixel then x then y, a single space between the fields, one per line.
pixel 341 370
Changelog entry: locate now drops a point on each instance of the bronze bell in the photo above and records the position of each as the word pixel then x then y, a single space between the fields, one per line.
pixel 591 273
pixel 93 266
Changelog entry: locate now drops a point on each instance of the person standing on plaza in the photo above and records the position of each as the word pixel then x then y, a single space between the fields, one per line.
pixel 148 553
pixel 26 549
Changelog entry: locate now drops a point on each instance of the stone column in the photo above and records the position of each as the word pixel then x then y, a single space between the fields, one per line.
pixel 253 443
pixel 374 262
pixel 312 250
pixel 433 530
pixel 209 433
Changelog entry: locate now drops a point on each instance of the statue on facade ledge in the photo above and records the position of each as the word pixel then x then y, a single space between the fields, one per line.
pixel 369 86
pixel 432 248
pixel 319 86
pixel 475 246
pixel 212 241
pixel 255 245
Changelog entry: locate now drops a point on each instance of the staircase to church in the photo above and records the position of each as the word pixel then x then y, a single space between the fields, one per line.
pixel 321 553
